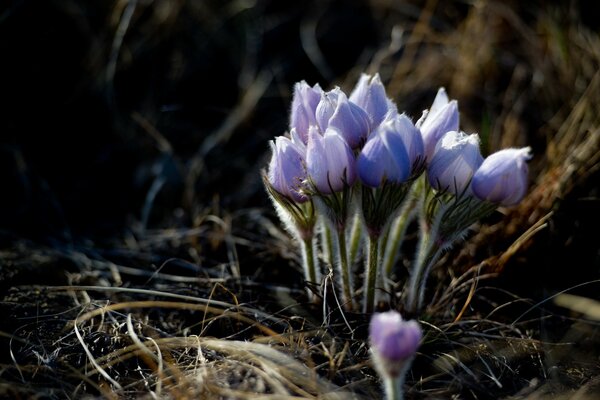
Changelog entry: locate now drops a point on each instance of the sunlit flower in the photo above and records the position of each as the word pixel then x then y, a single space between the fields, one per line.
pixel 286 170
pixel 369 94
pixel 502 177
pixel 336 112
pixel 454 161
pixel 330 162
pixel 441 118
pixel 390 153
pixel 304 106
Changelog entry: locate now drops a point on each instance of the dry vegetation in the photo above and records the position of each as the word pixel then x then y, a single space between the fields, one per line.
pixel 197 294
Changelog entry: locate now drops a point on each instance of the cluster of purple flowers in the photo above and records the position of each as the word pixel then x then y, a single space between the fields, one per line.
pixel 335 139
pixel 357 155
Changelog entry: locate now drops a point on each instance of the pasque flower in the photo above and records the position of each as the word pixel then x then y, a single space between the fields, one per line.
pixel 330 162
pixel 394 342
pixel 286 172
pixel 454 161
pixel 336 112
pixel 442 117
pixel 390 153
pixel 502 177
pixel 369 94
pixel 304 106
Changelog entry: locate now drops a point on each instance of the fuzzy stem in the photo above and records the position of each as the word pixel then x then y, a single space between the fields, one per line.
pixel 428 252
pixel 371 279
pixel 327 243
pixel 394 387
pixel 346 281
pixel 396 236
pixel 309 263
pixel 355 238
pixel 436 252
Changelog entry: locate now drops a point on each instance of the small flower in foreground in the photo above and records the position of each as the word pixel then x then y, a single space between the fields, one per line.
pixel 502 177
pixel 329 160
pixel 384 157
pixel 369 94
pixel 336 112
pixel 442 117
pixel 394 342
pixel 304 105
pixel 455 160
pixel 286 169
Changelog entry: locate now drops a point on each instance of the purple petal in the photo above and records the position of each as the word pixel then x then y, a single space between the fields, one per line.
pixel 502 177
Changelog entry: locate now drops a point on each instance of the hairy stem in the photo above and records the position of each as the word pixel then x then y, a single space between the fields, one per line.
pixel 344 267
pixel 394 387
pixel 371 278
pixel 309 263
pixel 355 238
pixel 396 235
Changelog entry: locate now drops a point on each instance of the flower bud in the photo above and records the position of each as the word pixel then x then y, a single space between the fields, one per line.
pixel 502 177
pixel 413 141
pixel 336 112
pixel 442 117
pixel 369 94
pixel 304 106
pixel 329 161
pixel 455 160
pixel 394 342
pixel 286 170
pixel 390 153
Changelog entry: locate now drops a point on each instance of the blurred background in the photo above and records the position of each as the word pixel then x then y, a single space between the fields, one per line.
pixel 125 118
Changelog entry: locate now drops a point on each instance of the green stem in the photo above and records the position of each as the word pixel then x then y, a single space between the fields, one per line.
pixel 309 262
pixel 396 236
pixel 372 266
pixel 327 243
pixel 345 270
pixel 435 253
pixel 424 248
pixel 355 237
pixel 428 253
pixel 394 387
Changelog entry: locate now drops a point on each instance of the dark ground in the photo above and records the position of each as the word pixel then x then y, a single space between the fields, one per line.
pixel 132 138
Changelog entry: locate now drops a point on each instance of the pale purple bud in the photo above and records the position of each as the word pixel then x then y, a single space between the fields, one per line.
pixel 455 160
pixel 304 106
pixel 502 177
pixel 329 161
pixel 336 112
pixel 442 117
pixel 384 157
pixel 413 142
pixel 286 170
pixel 369 94
pixel 393 340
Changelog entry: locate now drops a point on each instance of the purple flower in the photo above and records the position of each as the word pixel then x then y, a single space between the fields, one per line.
pixel 304 106
pixel 390 152
pixel 393 340
pixel 336 112
pixel 413 142
pixel 286 170
pixel 329 161
pixel 369 94
pixel 502 177
pixel 442 117
pixel 455 160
